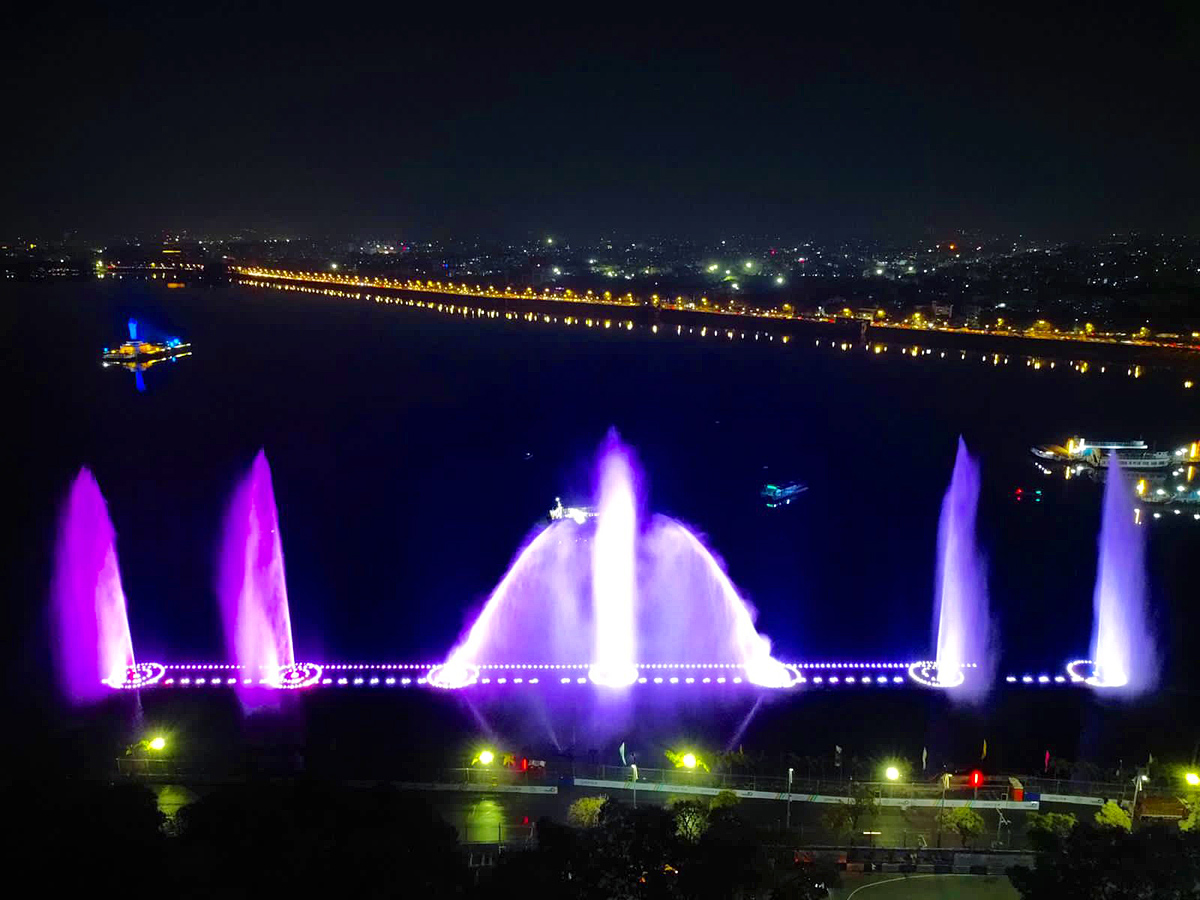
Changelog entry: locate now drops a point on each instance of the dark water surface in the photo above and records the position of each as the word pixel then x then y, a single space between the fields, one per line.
pixel 413 452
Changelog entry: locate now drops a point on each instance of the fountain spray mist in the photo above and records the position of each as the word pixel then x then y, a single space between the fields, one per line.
pixel 91 625
pixel 961 623
pixel 1122 646
pixel 251 585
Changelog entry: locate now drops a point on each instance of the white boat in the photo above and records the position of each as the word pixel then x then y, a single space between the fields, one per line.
pixel 1133 454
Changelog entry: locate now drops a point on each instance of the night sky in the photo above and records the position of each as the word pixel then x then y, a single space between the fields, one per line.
pixel 339 120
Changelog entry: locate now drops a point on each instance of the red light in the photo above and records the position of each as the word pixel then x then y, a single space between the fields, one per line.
pixel 975 779
pixel 524 764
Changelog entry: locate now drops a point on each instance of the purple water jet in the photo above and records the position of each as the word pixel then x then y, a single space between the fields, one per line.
pixel 251 586
pixel 92 627
pixel 1122 646
pixel 961 623
pixel 608 595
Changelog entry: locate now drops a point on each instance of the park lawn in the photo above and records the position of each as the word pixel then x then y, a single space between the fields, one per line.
pixel 926 887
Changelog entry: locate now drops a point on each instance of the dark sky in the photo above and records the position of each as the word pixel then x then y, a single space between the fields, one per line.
pixel 338 120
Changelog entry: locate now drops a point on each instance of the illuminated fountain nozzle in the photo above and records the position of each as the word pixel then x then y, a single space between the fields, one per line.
pixel 130 678
pixel 1090 673
pixel 928 674
pixel 616 675
pixel 451 675
pixel 771 673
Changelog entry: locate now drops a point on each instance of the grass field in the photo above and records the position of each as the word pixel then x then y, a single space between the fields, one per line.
pixel 927 887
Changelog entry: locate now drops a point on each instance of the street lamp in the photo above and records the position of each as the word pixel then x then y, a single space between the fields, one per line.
pixel 1192 779
pixel 689 760
pixel 486 757
pixel 892 773
pixel 157 743
pixel 635 778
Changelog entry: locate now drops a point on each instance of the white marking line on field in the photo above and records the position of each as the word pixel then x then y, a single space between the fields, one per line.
pixel 910 878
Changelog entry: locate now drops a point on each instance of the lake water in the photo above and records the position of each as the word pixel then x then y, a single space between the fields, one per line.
pixel 414 451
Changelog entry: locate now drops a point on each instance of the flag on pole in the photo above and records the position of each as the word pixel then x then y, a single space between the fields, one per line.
pixel 1046 767
pixel 924 757
pixel 837 756
pixel 983 755
pixel 621 749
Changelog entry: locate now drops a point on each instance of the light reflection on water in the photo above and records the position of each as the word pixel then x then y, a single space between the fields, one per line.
pixel 613 321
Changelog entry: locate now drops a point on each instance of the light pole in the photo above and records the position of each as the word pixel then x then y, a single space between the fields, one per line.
pixel 789 798
pixel 635 777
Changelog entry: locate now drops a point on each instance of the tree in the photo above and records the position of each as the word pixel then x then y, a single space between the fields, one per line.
pixel 1192 805
pixel 1111 815
pixel 1055 826
pixel 1155 863
pixel 838 819
pixel 963 820
pixel 585 812
pixel 864 805
pixel 691 819
pixel 724 800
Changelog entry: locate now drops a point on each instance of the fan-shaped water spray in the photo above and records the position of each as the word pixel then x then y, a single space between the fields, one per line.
pixel 962 626
pixel 251 586
pixel 92 627
pixel 609 595
pixel 1123 650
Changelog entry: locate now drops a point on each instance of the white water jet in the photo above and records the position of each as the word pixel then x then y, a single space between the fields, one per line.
pixel 614 581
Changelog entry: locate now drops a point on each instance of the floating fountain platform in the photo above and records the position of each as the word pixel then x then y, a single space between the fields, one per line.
pixel 548 676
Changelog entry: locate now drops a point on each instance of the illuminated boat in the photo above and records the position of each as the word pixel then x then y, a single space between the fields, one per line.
pixel 1133 454
pixel 781 494
pixel 577 514
pixel 137 355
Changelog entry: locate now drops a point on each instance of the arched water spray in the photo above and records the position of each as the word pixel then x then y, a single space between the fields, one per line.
pixel 92 627
pixel 962 626
pixel 1123 649
pixel 251 585
pixel 605 595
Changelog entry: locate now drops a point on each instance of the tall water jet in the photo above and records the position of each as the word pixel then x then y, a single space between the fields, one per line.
pixel 614 580
pixel 962 626
pixel 251 586
pixel 1123 650
pixel 92 644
